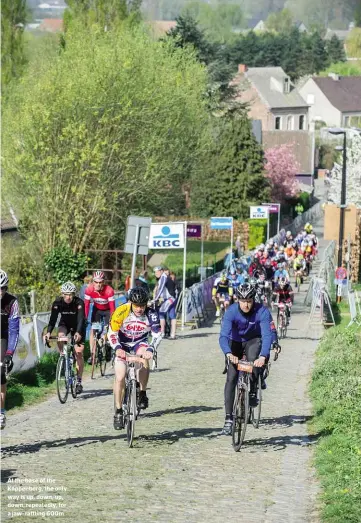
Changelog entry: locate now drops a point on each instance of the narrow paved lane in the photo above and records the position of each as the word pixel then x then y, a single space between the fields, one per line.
pixel 180 468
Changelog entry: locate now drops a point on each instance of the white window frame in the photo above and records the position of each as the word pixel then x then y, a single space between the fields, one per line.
pixel 290 118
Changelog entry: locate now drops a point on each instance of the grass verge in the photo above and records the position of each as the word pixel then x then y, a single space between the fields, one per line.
pixel 336 395
pixel 31 386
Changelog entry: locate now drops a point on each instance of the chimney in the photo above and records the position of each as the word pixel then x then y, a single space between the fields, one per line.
pixel 334 76
pixel 242 68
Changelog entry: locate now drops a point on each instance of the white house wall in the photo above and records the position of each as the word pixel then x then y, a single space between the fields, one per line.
pixel 321 109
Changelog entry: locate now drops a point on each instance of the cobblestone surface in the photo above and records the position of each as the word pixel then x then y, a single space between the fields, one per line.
pixel 180 468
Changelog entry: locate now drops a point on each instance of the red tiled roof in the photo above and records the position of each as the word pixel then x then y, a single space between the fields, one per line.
pixel 51 25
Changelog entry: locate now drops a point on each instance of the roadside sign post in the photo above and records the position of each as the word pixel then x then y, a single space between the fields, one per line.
pixel 172 235
pixel 137 239
pixel 223 223
pixel 260 212
pixel 195 230
pixel 274 208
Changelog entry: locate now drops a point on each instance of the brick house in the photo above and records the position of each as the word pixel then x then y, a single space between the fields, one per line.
pixel 273 100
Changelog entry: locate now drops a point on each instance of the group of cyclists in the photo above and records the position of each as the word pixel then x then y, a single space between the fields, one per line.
pixel 243 291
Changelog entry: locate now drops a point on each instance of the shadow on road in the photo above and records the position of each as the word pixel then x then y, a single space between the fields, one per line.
pixel 285 421
pixel 171 437
pixel 94 393
pixel 280 442
pixel 31 448
pixel 6 474
pixel 195 335
pixel 194 409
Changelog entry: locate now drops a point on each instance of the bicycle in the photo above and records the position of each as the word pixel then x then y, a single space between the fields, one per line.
pixel 131 397
pixel 66 376
pixel 281 320
pixel 243 413
pixel 99 354
pixel 298 280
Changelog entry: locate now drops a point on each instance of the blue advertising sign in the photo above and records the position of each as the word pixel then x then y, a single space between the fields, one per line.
pixel 222 223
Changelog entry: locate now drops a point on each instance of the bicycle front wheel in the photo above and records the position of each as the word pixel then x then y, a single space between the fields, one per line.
pixel 102 355
pixel 62 379
pixel 132 411
pixel 256 411
pixel 240 417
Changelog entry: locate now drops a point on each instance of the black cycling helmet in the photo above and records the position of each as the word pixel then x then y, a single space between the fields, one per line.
pixel 138 296
pixel 246 292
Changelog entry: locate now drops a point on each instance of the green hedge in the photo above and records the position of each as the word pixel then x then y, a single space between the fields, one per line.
pixel 257 232
pixel 336 396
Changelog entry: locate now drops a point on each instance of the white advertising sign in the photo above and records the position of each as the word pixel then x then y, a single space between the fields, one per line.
pixel 166 236
pixel 259 212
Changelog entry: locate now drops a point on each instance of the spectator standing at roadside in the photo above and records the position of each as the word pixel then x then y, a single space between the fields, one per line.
pixel 239 246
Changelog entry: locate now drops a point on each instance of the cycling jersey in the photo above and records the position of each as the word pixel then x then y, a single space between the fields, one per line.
pixel 281 273
pixel 240 327
pixel 285 294
pixel 236 282
pixel 299 264
pixel 126 329
pixel 103 300
pixel 222 287
pixel 10 322
pixel 71 315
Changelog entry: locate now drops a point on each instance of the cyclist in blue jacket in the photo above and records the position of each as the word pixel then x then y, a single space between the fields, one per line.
pixel 248 329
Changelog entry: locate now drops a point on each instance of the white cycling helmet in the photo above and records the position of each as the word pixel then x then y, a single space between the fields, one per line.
pixel 4 280
pixel 288 233
pixel 98 276
pixel 68 288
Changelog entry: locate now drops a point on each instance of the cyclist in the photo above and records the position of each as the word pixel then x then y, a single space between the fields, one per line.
pixel 283 293
pixel 129 328
pixel 235 280
pixel 103 300
pixel 299 265
pixel 281 272
pixel 288 238
pixel 247 329
pixel 222 286
pixel 166 291
pixel 72 319
pixel 10 327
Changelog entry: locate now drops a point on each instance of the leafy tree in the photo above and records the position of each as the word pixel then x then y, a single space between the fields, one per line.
pixel 353 43
pixel 235 176
pixel 106 13
pixel 64 264
pixel 83 151
pixel 335 50
pixel 281 169
pixel 281 22
pixel 14 15
pixel 343 69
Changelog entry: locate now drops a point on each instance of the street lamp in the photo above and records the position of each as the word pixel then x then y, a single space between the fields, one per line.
pixel 337 131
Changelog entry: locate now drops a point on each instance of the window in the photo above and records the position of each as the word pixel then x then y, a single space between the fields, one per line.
pixel 310 99
pixel 347 121
pixel 289 123
pixel 278 123
pixel 301 122
pixel 287 85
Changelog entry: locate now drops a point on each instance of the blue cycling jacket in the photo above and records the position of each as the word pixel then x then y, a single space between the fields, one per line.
pixel 237 326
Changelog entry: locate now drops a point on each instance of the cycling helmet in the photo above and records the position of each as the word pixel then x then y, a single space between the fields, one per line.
pixel 281 249
pixel 68 288
pixel 288 233
pixel 261 247
pixel 267 263
pixel 138 296
pixel 158 268
pixel 98 276
pixel 271 242
pixel 246 291
pixel 300 256
pixel 280 265
pixel 4 280
pixel 282 281
pixel 232 271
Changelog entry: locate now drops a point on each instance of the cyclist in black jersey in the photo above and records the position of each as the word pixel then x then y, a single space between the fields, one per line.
pixel 72 318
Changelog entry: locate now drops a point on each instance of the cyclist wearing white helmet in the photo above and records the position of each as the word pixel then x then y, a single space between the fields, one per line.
pixel 10 326
pixel 72 319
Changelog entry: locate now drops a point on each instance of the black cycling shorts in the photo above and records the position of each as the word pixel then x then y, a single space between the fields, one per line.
pixel 98 316
pixel 63 327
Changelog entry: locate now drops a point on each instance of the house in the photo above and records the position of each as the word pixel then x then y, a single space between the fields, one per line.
pixel 272 98
pixel 301 27
pixel 334 100
pixel 283 112
pixel 8 222
pixel 256 24
pixel 51 25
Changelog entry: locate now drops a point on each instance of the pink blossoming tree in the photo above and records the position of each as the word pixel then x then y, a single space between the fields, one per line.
pixel 281 168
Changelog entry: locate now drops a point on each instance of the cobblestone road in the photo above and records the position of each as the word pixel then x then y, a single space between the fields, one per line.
pixel 180 468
